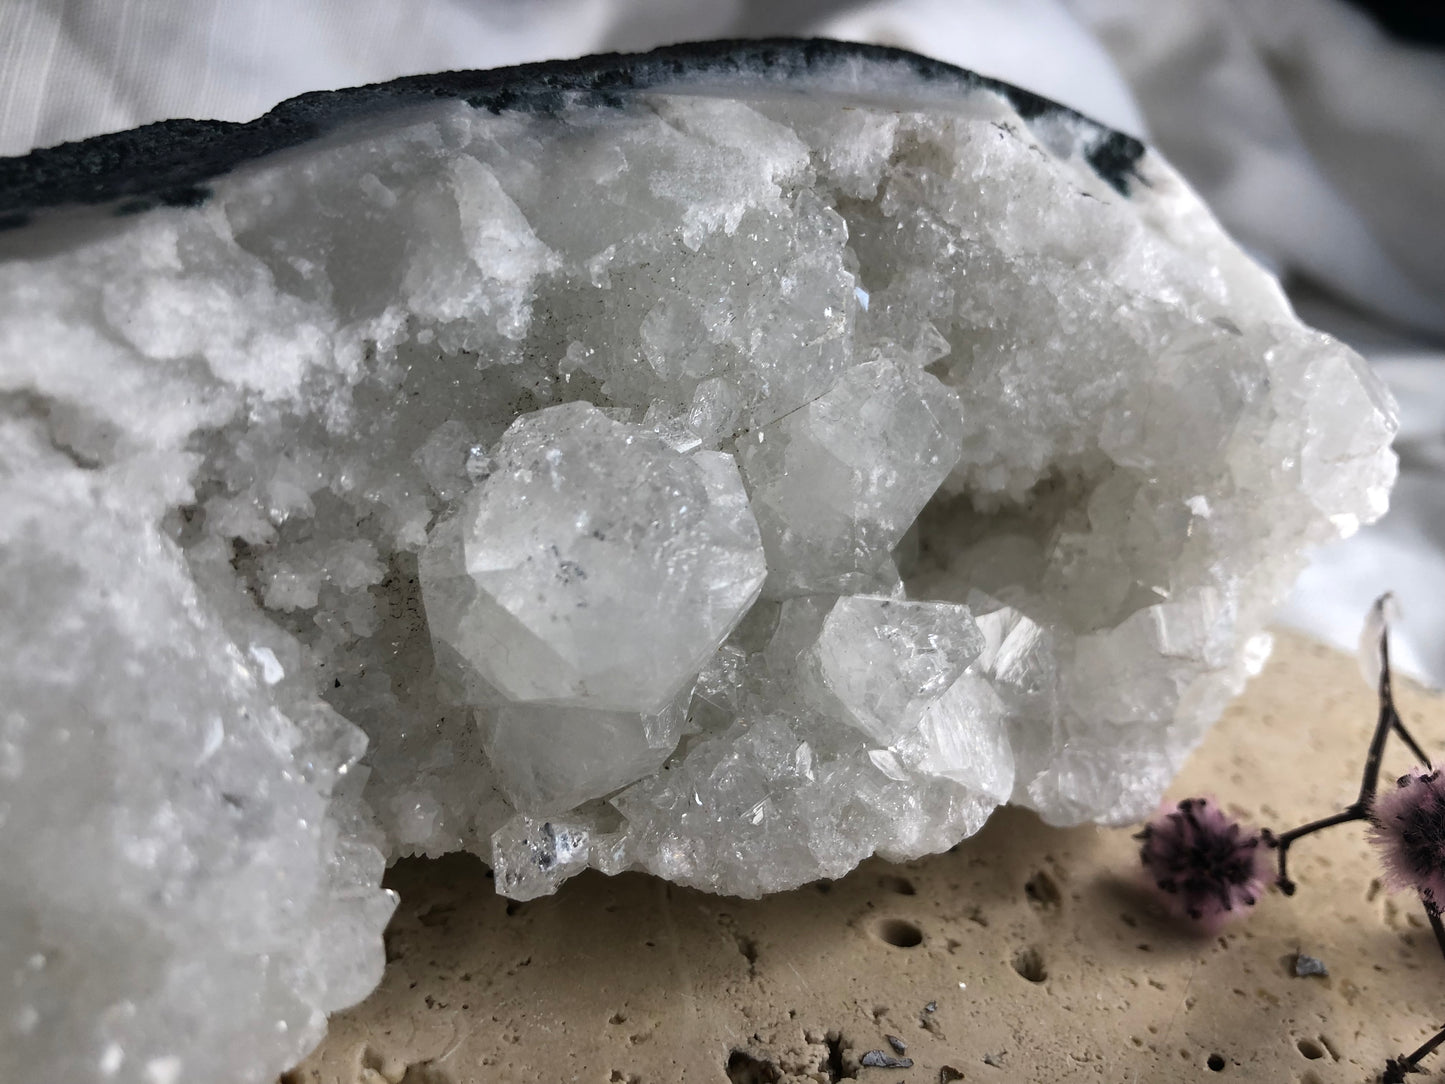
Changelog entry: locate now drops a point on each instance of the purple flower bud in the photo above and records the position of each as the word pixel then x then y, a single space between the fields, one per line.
pixel 1408 825
pixel 1206 867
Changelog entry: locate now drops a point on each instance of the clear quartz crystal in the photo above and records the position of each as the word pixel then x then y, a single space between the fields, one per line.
pixel 837 483
pixel 530 858
pixel 713 481
pixel 886 662
pixel 556 585
pixel 553 757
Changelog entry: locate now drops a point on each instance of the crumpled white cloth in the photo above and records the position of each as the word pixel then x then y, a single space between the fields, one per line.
pixel 1404 552
pixel 1037 44
pixel 74 68
pixel 1315 137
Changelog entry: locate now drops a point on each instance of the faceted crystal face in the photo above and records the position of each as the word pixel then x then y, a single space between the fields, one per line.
pixel 962 737
pixel 887 661
pixel 560 586
pixel 729 475
pixel 550 758
pixel 838 482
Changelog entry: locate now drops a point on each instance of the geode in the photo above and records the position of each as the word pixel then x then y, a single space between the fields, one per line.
pixel 729 462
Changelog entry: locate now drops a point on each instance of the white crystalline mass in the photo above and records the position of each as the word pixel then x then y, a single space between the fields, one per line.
pixel 886 662
pixel 836 483
pixel 556 586
pixel 185 865
pixel 706 480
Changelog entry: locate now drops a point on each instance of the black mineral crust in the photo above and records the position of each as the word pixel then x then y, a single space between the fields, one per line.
pixel 169 163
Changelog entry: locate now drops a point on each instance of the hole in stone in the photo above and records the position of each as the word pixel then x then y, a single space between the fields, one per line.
pixel 1043 891
pixel 1215 1063
pixel 902 885
pixel 371 1059
pixel 618 1018
pixel 899 932
pixel 743 1068
pixel 1029 963
pixel 424 1072
pixel 391 945
pixel 1310 1049
pixel 438 914
pixel 833 1066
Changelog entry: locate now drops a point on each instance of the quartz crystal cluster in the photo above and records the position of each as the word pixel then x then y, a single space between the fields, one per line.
pixel 728 464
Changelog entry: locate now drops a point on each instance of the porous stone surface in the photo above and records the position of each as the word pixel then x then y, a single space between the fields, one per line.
pixel 730 468
pixel 1027 953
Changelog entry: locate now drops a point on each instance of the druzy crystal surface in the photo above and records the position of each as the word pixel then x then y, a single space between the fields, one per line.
pixel 729 468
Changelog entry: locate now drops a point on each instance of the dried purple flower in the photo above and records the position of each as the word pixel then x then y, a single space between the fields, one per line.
pixel 1207 867
pixel 1408 825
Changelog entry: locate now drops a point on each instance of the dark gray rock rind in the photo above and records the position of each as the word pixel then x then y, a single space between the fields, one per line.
pixel 169 163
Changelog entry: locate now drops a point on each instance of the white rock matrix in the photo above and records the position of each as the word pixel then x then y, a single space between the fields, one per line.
pixel 732 475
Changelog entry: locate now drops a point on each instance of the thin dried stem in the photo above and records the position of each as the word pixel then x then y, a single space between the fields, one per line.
pixel 1389 720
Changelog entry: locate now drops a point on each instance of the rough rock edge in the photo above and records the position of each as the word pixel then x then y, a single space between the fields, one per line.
pixel 168 163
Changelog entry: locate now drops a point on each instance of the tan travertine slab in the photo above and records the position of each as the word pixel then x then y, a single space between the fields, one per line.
pixel 1044 958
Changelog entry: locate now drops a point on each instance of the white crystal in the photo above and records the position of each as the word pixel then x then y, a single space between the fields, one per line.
pixel 186 857
pixel 711 480
pixel 530 858
pixel 838 482
pixel 962 736
pixel 556 584
pixel 550 758
pixel 887 662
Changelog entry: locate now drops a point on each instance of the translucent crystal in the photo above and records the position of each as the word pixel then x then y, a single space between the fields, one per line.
pixel 730 472
pixel 186 859
pixel 887 662
pixel 531 857
pixel 555 585
pixel 550 758
pixel 962 736
pixel 837 483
